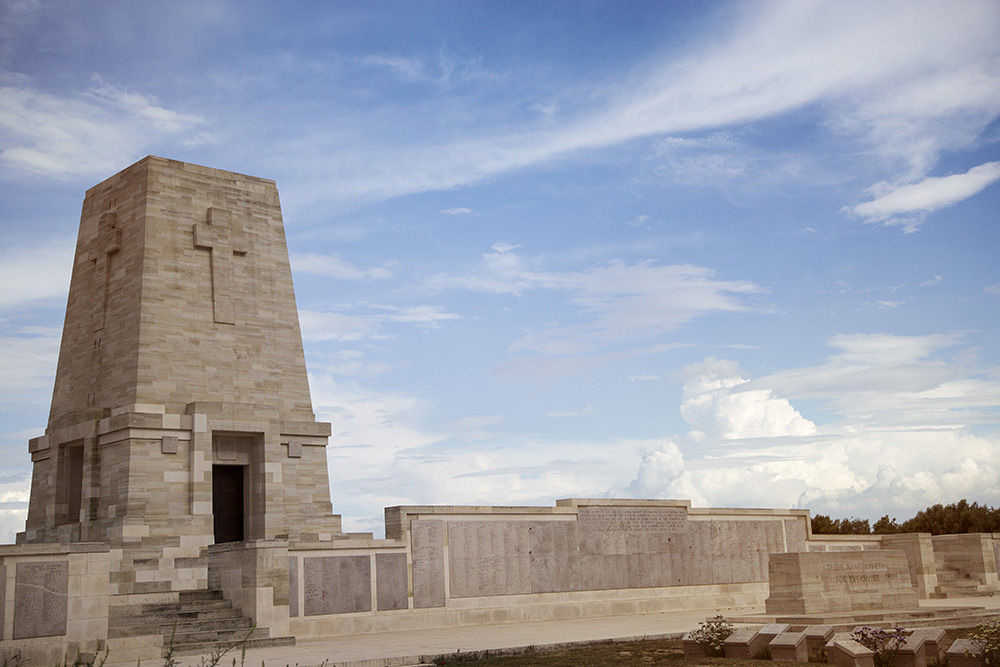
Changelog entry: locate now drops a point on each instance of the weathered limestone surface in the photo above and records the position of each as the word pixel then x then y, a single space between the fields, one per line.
pixel 963 653
pixel 844 652
pixel 790 647
pixel 390 577
pixel 337 584
pixel 813 583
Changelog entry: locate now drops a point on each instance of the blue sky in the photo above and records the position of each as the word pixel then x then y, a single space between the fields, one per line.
pixel 741 253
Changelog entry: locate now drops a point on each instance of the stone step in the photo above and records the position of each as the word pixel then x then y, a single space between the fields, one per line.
pixel 169 608
pixel 946 617
pixel 945 593
pixel 233 645
pixel 166 627
pixel 213 636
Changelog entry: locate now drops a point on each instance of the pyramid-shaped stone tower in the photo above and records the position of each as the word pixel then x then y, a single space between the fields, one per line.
pixel 181 413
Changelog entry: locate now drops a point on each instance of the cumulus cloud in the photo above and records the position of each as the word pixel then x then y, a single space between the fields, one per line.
pixel 661 467
pixel 907 205
pixel 717 406
pixel 898 441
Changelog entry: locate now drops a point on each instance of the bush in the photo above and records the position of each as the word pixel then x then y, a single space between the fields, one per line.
pixel 885 643
pixel 712 633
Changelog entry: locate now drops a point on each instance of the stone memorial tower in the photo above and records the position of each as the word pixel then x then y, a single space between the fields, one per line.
pixel 181 414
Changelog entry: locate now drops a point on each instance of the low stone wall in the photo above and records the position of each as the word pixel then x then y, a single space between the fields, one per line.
pixel 444 566
pixel 55 601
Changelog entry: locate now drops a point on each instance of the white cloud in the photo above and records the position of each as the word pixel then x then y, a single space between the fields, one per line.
pixel 661 467
pixel 367 321
pixel 623 303
pixel 424 316
pixel 458 210
pixel 381 454
pixel 14 492
pixel 898 445
pixel 35 275
pixel 993 289
pixel 617 303
pixel 914 200
pixel 27 368
pixel 89 134
pixel 320 326
pixel 718 408
pixel 900 81
pixel 335 266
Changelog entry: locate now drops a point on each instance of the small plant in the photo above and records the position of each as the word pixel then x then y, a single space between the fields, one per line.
pixel 939 662
pixel 986 637
pixel 818 654
pixel 712 633
pixel 884 643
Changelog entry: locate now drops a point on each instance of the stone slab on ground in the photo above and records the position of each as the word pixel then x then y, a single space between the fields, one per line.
pixel 790 647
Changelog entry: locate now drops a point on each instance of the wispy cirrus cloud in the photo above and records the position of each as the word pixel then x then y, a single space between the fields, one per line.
pixel 363 321
pixel 35 275
pixel 335 266
pixel 617 304
pixel 940 63
pixel 89 133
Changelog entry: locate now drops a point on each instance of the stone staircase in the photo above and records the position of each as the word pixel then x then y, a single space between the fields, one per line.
pixel 954 584
pixel 198 622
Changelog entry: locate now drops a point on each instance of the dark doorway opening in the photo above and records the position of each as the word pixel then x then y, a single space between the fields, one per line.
pixel 227 503
pixel 74 482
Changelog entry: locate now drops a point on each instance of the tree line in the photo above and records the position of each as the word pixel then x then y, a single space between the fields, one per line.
pixel 960 517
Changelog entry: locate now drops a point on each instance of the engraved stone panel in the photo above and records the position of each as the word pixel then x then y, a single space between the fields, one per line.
pixel 390 578
pixel 633 519
pixel 168 444
pixel 428 563
pixel 225 447
pixel 337 584
pixel 293 586
pixel 795 534
pixel 489 557
pixel 40 603
pixel 295 449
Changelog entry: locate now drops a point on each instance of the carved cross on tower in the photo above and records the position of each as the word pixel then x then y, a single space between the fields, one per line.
pixel 223 239
pixel 107 242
